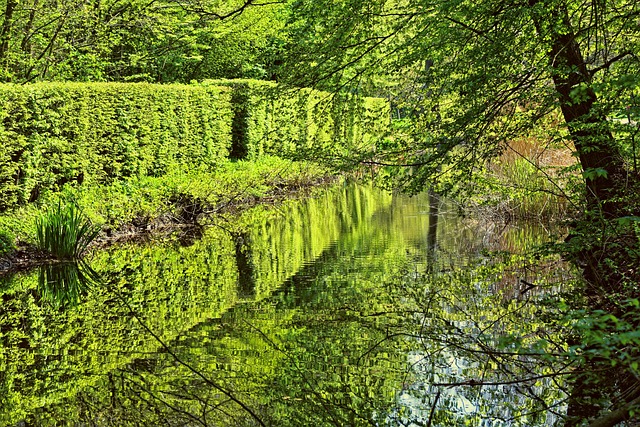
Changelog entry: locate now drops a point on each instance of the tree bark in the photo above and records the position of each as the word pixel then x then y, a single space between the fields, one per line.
pixel 599 154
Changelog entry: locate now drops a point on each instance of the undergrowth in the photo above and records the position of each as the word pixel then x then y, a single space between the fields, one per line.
pixel 141 201
pixel 527 181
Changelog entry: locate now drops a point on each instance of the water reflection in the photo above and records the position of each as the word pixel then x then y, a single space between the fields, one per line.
pixel 306 314
pixel 64 284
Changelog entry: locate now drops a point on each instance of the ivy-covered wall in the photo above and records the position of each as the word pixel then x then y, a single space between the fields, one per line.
pixel 57 133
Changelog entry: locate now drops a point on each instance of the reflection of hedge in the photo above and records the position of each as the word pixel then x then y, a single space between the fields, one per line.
pixel 47 354
pixel 54 355
pixel 272 120
pixel 281 248
pixel 53 133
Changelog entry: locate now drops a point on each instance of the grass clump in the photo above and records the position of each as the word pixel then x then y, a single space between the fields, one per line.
pixel 65 232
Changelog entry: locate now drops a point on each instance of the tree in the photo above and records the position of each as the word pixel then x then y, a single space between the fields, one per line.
pixel 136 40
pixel 474 75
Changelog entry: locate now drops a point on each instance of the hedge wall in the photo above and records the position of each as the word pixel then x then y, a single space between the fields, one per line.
pixel 301 122
pixel 54 133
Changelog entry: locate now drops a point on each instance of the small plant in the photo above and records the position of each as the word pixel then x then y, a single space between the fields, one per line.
pixel 65 232
pixel 6 243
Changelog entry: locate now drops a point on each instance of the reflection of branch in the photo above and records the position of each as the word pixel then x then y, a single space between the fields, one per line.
pixel 188 366
pixel 433 409
pixel 161 400
pixel 318 396
pixel 474 382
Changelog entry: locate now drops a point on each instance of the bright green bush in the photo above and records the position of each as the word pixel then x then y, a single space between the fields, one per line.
pixel 269 119
pixel 54 133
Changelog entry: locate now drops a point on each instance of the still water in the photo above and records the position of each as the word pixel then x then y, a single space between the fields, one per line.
pixel 342 309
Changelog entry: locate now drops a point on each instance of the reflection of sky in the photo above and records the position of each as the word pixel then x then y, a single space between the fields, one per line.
pixel 461 243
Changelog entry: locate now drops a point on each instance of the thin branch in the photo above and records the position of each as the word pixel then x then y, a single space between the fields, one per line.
pixel 473 382
pixel 233 14
pixel 611 61
pixel 473 30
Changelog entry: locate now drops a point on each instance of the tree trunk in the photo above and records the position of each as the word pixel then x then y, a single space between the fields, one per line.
pixel 26 40
pixel 606 179
pixel 599 154
pixel 5 35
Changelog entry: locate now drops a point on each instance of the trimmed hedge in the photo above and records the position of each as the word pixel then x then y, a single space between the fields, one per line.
pixel 54 133
pixel 301 122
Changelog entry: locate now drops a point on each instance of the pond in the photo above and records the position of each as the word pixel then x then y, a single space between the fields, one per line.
pixel 343 309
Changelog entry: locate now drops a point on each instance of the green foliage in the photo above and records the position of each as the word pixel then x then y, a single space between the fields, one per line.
pixel 303 123
pixel 519 188
pixel 65 232
pixel 58 133
pixel 138 202
pixel 134 40
pixel 72 133
pixel 7 242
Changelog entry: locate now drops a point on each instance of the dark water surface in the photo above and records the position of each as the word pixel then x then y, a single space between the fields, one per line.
pixel 316 312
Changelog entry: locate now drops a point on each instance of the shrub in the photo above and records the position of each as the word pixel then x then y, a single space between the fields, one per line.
pixel 96 133
pixel 301 122
pixel 6 242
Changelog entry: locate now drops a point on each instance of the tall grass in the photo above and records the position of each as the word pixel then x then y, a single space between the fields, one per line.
pixel 65 232
pixel 528 173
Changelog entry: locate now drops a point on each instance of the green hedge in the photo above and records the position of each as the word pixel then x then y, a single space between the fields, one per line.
pixel 54 133
pixel 301 122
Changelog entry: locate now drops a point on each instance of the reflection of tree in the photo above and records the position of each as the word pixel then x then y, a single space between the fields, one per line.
pixel 485 356
pixel 432 234
pixel 246 274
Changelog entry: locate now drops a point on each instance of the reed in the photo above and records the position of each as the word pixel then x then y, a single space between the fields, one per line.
pixel 65 232
pixel 528 172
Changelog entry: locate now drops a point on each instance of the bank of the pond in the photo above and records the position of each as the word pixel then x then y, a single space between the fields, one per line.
pixel 139 208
